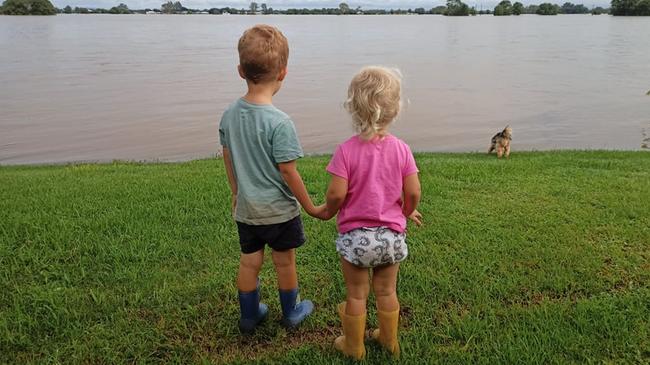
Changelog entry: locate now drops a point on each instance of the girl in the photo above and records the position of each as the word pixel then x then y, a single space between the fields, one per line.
pixel 374 187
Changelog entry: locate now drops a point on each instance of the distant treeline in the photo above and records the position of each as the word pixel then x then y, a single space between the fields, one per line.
pixel 505 7
pixel 452 8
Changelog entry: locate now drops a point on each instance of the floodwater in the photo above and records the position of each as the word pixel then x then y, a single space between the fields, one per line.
pixel 104 87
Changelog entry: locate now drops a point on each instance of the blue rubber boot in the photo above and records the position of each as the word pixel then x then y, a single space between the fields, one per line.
pixel 294 311
pixel 252 311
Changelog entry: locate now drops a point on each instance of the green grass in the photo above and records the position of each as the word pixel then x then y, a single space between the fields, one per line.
pixel 544 258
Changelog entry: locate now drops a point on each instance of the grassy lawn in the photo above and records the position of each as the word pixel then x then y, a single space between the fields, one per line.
pixel 541 259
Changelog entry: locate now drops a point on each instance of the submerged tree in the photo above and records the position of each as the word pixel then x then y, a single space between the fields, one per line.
pixel 598 10
pixel 171 7
pixel 548 9
pixel 630 7
pixel 457 8
pixel 344 8
pixel 120 9
pixel 504 8
pixel 571 8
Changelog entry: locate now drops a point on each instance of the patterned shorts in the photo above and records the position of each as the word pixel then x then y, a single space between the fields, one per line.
pixel 370 247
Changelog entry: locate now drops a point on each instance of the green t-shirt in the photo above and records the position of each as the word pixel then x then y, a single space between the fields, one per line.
pixel 258 138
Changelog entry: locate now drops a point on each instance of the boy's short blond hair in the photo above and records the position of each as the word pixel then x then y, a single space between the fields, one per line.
pixel 374 100
pixel 263 53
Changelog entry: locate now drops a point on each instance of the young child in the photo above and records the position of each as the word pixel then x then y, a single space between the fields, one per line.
pixel 260 149
pixel 374 187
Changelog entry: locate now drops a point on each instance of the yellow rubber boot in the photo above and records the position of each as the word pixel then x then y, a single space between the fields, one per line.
pixel 354 328
pixel 386 335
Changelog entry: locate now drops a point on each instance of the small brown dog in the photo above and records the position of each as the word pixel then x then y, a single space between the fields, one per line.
pixel 501 142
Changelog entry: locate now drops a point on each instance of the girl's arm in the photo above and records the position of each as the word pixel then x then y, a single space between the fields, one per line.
pixel 335 196
pixel 412 192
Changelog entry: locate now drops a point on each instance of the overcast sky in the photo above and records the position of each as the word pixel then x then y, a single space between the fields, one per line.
pixel 282 4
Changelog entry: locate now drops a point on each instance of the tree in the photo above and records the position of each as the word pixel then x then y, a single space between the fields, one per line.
pixel 457 8
pixel 439 10
pixel 265 9
pixel 344 8
pixel 547 9
pixel 504 8
pixel 630 7
pixel 120 9
pixel 598 10
pixel 67 9
pixel 419 11
pixel 517 8
pixel 531 9
pixel 171 7
pixel 570 8
pixel 253 6
pixel 27 7
pixel 642 7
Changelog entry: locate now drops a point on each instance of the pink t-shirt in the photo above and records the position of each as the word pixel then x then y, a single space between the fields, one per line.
pixel 375 171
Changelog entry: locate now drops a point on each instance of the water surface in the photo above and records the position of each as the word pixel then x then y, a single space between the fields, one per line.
pixel 104 87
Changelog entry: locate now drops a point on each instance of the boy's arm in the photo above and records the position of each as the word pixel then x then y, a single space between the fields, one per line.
pixel 292 177
pixel 412 192
pixel 232 181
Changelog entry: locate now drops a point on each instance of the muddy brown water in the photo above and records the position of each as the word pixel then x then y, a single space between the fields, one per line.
pixel 102 87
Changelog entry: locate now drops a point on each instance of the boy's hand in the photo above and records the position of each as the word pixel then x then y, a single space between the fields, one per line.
pixel 416 217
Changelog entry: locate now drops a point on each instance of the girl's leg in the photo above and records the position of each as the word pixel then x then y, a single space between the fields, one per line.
pixel 353 311
pixel 358 287
pixel 384 284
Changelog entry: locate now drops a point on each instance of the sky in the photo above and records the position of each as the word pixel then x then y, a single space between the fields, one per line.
pixel 283 4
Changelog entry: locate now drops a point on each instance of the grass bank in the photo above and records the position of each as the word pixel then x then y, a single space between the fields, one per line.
pixel 541 259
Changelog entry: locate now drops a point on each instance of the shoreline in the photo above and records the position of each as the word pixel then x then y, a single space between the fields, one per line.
pixel 307 155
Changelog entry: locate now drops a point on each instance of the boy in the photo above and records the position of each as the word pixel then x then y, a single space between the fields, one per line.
pixel 260 149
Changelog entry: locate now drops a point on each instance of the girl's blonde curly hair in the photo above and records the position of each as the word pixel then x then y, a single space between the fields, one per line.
pixel 374 100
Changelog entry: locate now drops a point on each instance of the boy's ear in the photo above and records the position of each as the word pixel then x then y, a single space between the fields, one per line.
pixel 283 74
pixel 241 72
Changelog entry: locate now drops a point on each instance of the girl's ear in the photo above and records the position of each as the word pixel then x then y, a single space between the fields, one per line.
pixel 241 72
pixel 283 74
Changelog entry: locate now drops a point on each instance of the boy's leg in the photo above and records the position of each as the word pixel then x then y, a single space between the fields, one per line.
pixel 384 283
pixel 285 267
pixel 249 268
pixel 294 311
pixel 252 312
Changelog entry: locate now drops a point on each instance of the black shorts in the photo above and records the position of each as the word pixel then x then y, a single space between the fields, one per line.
pixel 280 237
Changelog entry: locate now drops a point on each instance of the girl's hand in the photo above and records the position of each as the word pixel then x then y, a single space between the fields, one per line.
pixel 416 217
pixel 321 212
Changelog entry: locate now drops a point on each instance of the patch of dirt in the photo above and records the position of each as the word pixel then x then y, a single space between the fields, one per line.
pixel 262 345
